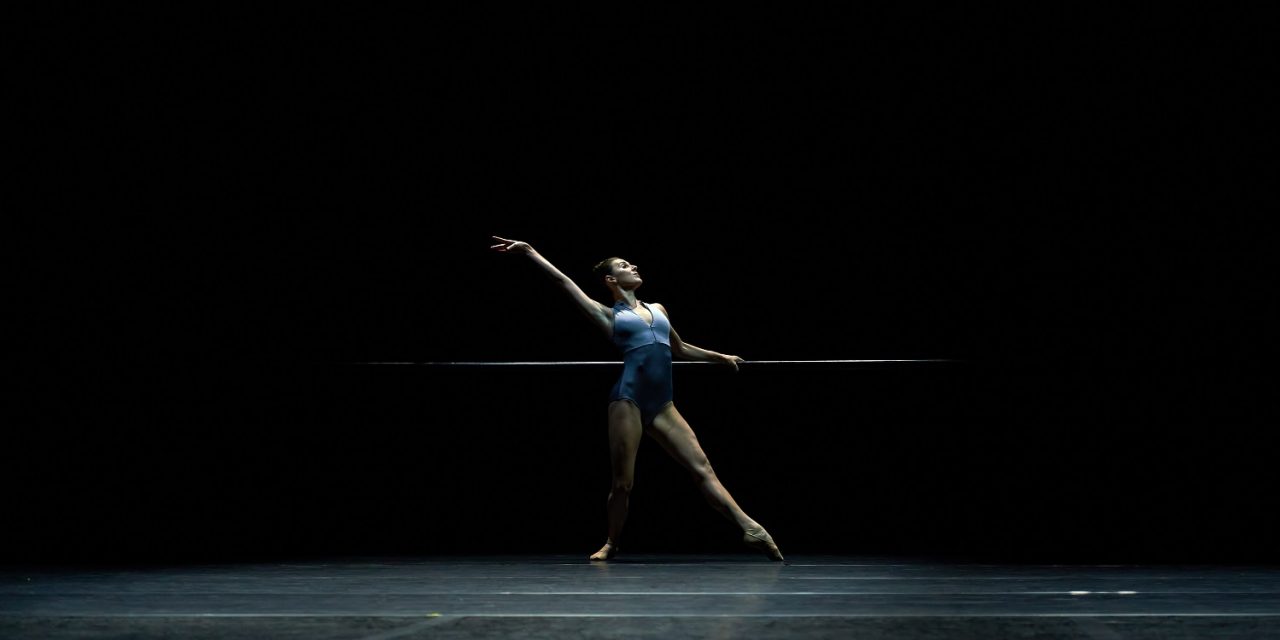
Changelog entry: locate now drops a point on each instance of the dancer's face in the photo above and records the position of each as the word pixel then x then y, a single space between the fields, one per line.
pixel 626 274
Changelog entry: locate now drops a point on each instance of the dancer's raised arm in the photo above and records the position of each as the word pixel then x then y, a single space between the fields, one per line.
pixel 599 314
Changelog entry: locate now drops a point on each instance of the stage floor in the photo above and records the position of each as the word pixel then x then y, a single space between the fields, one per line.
pixel 639 596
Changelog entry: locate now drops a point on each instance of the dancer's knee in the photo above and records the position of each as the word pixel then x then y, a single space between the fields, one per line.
pixel 702 471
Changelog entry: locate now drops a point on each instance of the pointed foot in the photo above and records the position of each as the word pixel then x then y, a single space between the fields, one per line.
pixel 760 540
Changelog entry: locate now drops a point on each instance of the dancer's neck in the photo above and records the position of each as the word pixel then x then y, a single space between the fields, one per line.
pixel 628 297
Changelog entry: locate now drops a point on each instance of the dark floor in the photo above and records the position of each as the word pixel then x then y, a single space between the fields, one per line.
pixel 640 596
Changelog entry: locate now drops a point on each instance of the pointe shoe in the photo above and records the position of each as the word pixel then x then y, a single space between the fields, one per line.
pixel 610 550
pixel 760 540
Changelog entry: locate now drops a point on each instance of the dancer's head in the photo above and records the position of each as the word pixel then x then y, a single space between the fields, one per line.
pixel 618 274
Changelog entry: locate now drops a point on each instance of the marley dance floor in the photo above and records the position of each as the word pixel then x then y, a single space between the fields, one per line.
pixel 639 596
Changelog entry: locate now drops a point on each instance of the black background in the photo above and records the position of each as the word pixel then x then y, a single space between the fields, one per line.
pixel 225 212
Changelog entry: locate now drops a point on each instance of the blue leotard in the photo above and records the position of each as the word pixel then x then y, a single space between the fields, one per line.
pixel 646 356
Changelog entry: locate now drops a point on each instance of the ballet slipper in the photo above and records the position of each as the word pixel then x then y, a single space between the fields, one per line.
pixel 760 540
pixel 606 552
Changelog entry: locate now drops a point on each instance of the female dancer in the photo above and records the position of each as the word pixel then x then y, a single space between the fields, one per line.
pixel 641 399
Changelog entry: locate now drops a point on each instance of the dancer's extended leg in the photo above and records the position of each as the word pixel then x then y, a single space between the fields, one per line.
pixel 674 434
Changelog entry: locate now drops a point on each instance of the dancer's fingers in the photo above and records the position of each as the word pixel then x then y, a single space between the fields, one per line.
pixel 733 361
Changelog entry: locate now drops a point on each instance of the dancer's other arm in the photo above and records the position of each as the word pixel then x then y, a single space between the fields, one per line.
pixel 599 314
pixel 685 351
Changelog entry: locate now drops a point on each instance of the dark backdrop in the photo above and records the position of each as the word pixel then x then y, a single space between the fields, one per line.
pixel 1058 204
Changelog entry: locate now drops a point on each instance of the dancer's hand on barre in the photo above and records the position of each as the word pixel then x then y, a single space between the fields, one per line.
pixel 730 360
pixel 511 246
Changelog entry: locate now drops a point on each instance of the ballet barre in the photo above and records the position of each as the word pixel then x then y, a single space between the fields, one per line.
pixel 619 362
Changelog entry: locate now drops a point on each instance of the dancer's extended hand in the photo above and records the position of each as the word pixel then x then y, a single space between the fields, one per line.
pixel 512 246
pixel 730 360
